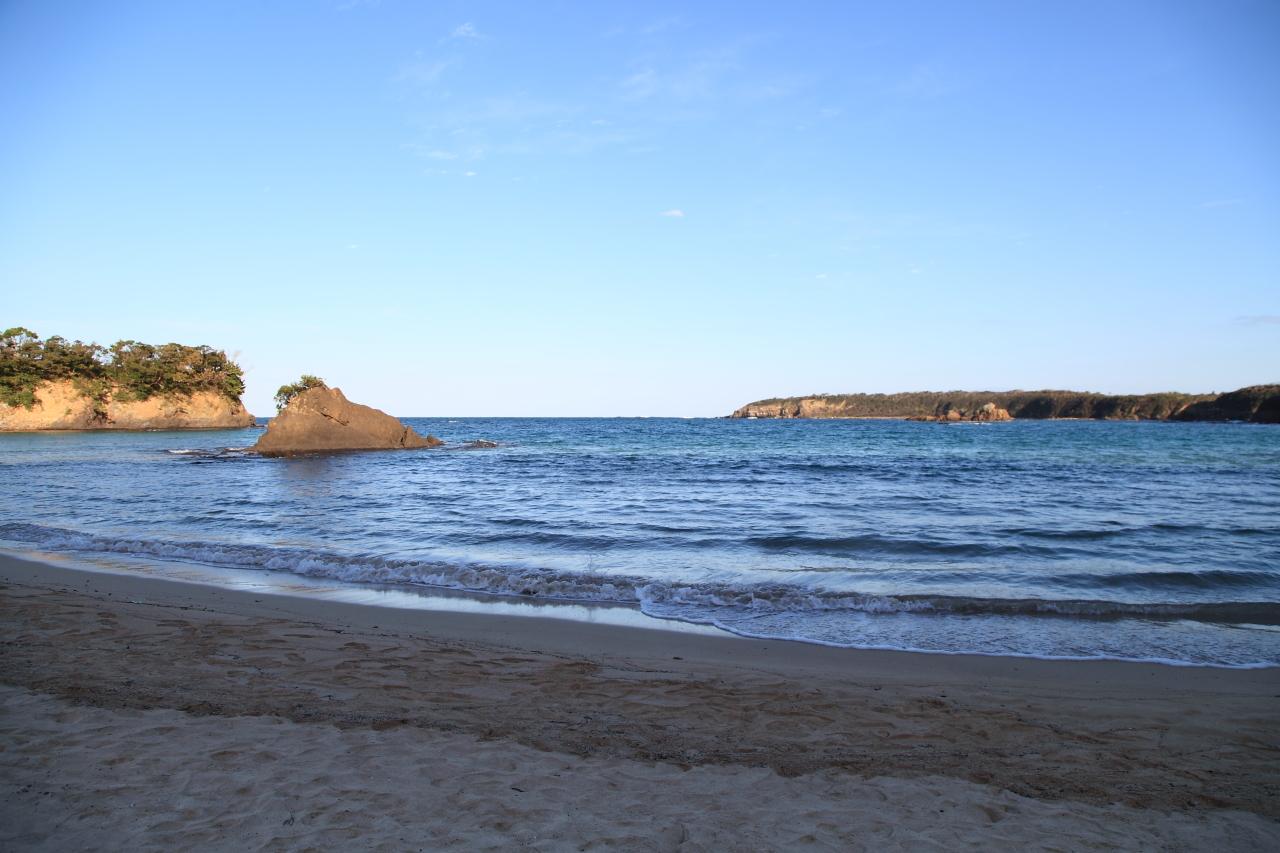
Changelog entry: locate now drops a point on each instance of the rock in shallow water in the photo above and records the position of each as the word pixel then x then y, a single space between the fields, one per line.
pixel 322 420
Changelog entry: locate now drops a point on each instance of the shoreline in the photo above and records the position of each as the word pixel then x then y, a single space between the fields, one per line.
pixel 778 741
pixel 549 634
pixel 425 598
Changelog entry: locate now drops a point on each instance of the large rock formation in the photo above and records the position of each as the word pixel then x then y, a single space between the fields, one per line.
pixel 62 406
pixel 1258 404
pixel 321 420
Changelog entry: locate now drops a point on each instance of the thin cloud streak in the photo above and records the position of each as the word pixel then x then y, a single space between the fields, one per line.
pixel 465 31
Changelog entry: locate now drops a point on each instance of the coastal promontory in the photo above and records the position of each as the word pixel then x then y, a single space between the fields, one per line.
pixel 1256 404
pixel 56 384
pixel 315 418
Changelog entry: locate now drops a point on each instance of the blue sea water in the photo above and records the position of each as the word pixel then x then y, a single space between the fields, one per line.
pixel 1149 541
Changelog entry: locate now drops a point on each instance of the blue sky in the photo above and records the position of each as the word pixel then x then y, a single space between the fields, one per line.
pixel 660 209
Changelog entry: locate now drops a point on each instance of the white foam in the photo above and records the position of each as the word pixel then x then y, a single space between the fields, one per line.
pixel 724 606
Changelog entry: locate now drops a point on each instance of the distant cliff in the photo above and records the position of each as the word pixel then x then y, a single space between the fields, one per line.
pixel 55 384
pixel 1259 404
pixel 61 405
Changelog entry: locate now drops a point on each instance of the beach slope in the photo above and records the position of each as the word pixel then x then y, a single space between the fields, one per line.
pixel 151 714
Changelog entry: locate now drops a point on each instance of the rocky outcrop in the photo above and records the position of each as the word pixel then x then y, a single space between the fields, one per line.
pixel 987 413
pixel 991 412
pixel 62 406
pixel 1258 404
pixel 322 420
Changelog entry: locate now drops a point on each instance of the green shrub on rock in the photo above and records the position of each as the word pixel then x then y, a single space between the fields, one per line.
pixel 288 392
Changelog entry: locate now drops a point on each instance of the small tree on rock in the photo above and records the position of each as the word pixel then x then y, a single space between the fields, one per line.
pixel 288 392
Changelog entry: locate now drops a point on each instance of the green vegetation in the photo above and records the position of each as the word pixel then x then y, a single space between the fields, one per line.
pixel 288 392
pixel 1257 404
pixel 1020 404
pixel 128 370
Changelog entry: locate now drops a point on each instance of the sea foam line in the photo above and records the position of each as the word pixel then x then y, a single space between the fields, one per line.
pixel 645 592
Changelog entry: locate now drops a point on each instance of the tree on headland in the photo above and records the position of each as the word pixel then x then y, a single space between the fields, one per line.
pixel 288 392
pixel 144 370
pixel 129 370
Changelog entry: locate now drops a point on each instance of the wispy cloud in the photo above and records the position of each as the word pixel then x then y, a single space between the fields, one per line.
pixel 627 113
pixel 925 81
pixel 695 81
pixel 1259 320
pixel 1222 202
pixel 674 213
pixel 422 72
pixel 662 24
pixel 642 84
pixel 513 124
pixel 701 77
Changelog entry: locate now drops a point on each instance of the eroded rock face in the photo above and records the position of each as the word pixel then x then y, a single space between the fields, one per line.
pixel 60 405
pixel 992 412
pixel 322 420
pixel 988 412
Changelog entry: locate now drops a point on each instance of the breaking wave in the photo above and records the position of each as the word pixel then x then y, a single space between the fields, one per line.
pixel 650 595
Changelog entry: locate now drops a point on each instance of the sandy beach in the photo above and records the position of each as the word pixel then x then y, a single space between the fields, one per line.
pixel 149 714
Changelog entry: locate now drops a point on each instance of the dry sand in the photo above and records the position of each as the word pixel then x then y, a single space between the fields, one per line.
pixel 149 714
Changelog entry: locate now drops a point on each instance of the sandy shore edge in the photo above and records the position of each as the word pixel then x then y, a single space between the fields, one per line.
pixel 574 637
pixel 740 743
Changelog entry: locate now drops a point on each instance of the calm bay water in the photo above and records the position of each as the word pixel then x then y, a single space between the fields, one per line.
pixel 1065 538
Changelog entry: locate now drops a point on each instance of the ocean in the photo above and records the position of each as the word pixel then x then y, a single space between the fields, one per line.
pixel 1059 539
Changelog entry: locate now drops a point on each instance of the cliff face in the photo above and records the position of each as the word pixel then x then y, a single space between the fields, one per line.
pixel 322 419
pixel 60 405
pixel 1259 404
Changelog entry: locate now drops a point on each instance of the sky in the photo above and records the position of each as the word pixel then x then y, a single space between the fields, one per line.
pixel 584 208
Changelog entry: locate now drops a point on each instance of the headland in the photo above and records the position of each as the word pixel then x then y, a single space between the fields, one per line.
pixel 56 384
pixel 1256 403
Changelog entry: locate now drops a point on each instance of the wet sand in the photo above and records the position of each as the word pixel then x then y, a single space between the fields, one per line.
pixel 144 713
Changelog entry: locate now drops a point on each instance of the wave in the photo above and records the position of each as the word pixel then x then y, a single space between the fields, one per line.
pixel 1092 534
pixel 645 592
pixel 206 453
pixel 1207 579
pixel 872 543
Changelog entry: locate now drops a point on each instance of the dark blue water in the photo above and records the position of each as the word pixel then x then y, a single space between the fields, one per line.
pixel 1053 538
